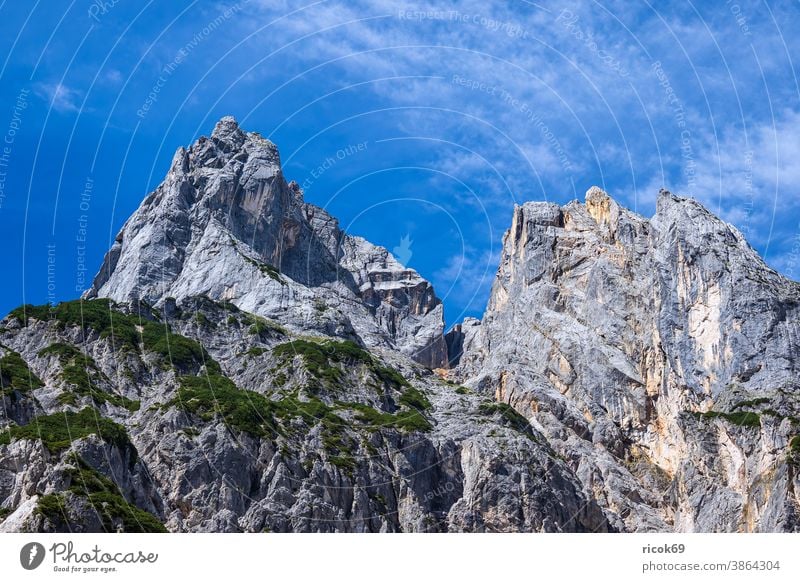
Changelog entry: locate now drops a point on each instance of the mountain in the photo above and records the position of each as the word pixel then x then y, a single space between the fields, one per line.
pixel 225 224
pixel 658 356
pixel 242 364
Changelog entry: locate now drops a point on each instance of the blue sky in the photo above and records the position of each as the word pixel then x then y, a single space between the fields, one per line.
pixel 461 109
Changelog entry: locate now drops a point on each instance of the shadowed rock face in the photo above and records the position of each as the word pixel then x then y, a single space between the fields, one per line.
pixel 225 223
pixel 658 355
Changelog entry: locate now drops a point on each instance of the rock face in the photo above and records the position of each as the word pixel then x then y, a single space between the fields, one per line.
pixel 659 356
pixel 225 224
pixel 204 417
pixel 241 364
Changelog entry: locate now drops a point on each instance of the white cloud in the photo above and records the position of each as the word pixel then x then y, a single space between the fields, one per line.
pixel 611 125
pixel 62 98
pixel 113 77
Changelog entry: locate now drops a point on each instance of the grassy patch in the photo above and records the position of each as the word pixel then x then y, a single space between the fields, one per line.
pixel 318 358
pixel 389 376
pixel 124 331
pixel 97 315
pixel 405 420
pixel 266 269
pixel 217 396
pixel 509 415
pixel 58 430
pixel 254 414
pixel 739 418
pixel 176 350
pixel 245 411
pixel 344 462
pixel 64 352
pixel 228 306
pixel 202 320
pixel 82 373
pixel 463 390
pixel 53 508
pixel 106 499
pixel 324 360
pixel 263 326
pixel 793 454
pixel 15 375
pixel 411 421
pixel 26 312
pixel 413 398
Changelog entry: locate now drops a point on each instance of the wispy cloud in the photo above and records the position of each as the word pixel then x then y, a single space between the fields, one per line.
pixel 539 102
pixel 61 98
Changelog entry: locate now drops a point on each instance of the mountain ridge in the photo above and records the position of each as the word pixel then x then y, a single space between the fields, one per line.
pixel 225 197
pixel 241 364
pixel 653 339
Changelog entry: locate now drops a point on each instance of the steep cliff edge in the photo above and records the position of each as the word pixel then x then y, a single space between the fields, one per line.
pixel 241 364
pixel 659 356
pixel 225 224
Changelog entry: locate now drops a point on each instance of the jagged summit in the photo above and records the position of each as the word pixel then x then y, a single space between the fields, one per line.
pixel 227 129
pixel 629 374
pixel 659 352
pixel 225 224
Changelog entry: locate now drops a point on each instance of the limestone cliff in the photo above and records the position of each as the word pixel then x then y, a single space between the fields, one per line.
pixel 659 356
pixel 241 364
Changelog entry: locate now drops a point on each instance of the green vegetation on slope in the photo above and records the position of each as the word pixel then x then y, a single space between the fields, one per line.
pixel 15 375
pixel 508 414
pixel 123 330
pixel 405 420
pixel 739 418
pixel 81 372
pixel 216 396
pixel 261 327
pixel 324 360
pixel 266 269
pixel 413 398
pixel 793 456
pixel 106 499
pixel 58 430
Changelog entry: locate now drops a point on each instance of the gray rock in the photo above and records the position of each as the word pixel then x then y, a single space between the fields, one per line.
pixel 657 355
pixel 224 223
pixel 258 369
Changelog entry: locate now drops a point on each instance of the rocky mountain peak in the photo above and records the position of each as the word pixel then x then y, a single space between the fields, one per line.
pixel 602 208
pixel 225 224
pixel 227 131
pixel 658 351
pixel 245 365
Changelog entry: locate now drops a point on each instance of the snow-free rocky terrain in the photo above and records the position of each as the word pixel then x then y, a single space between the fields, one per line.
pixel 241 364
